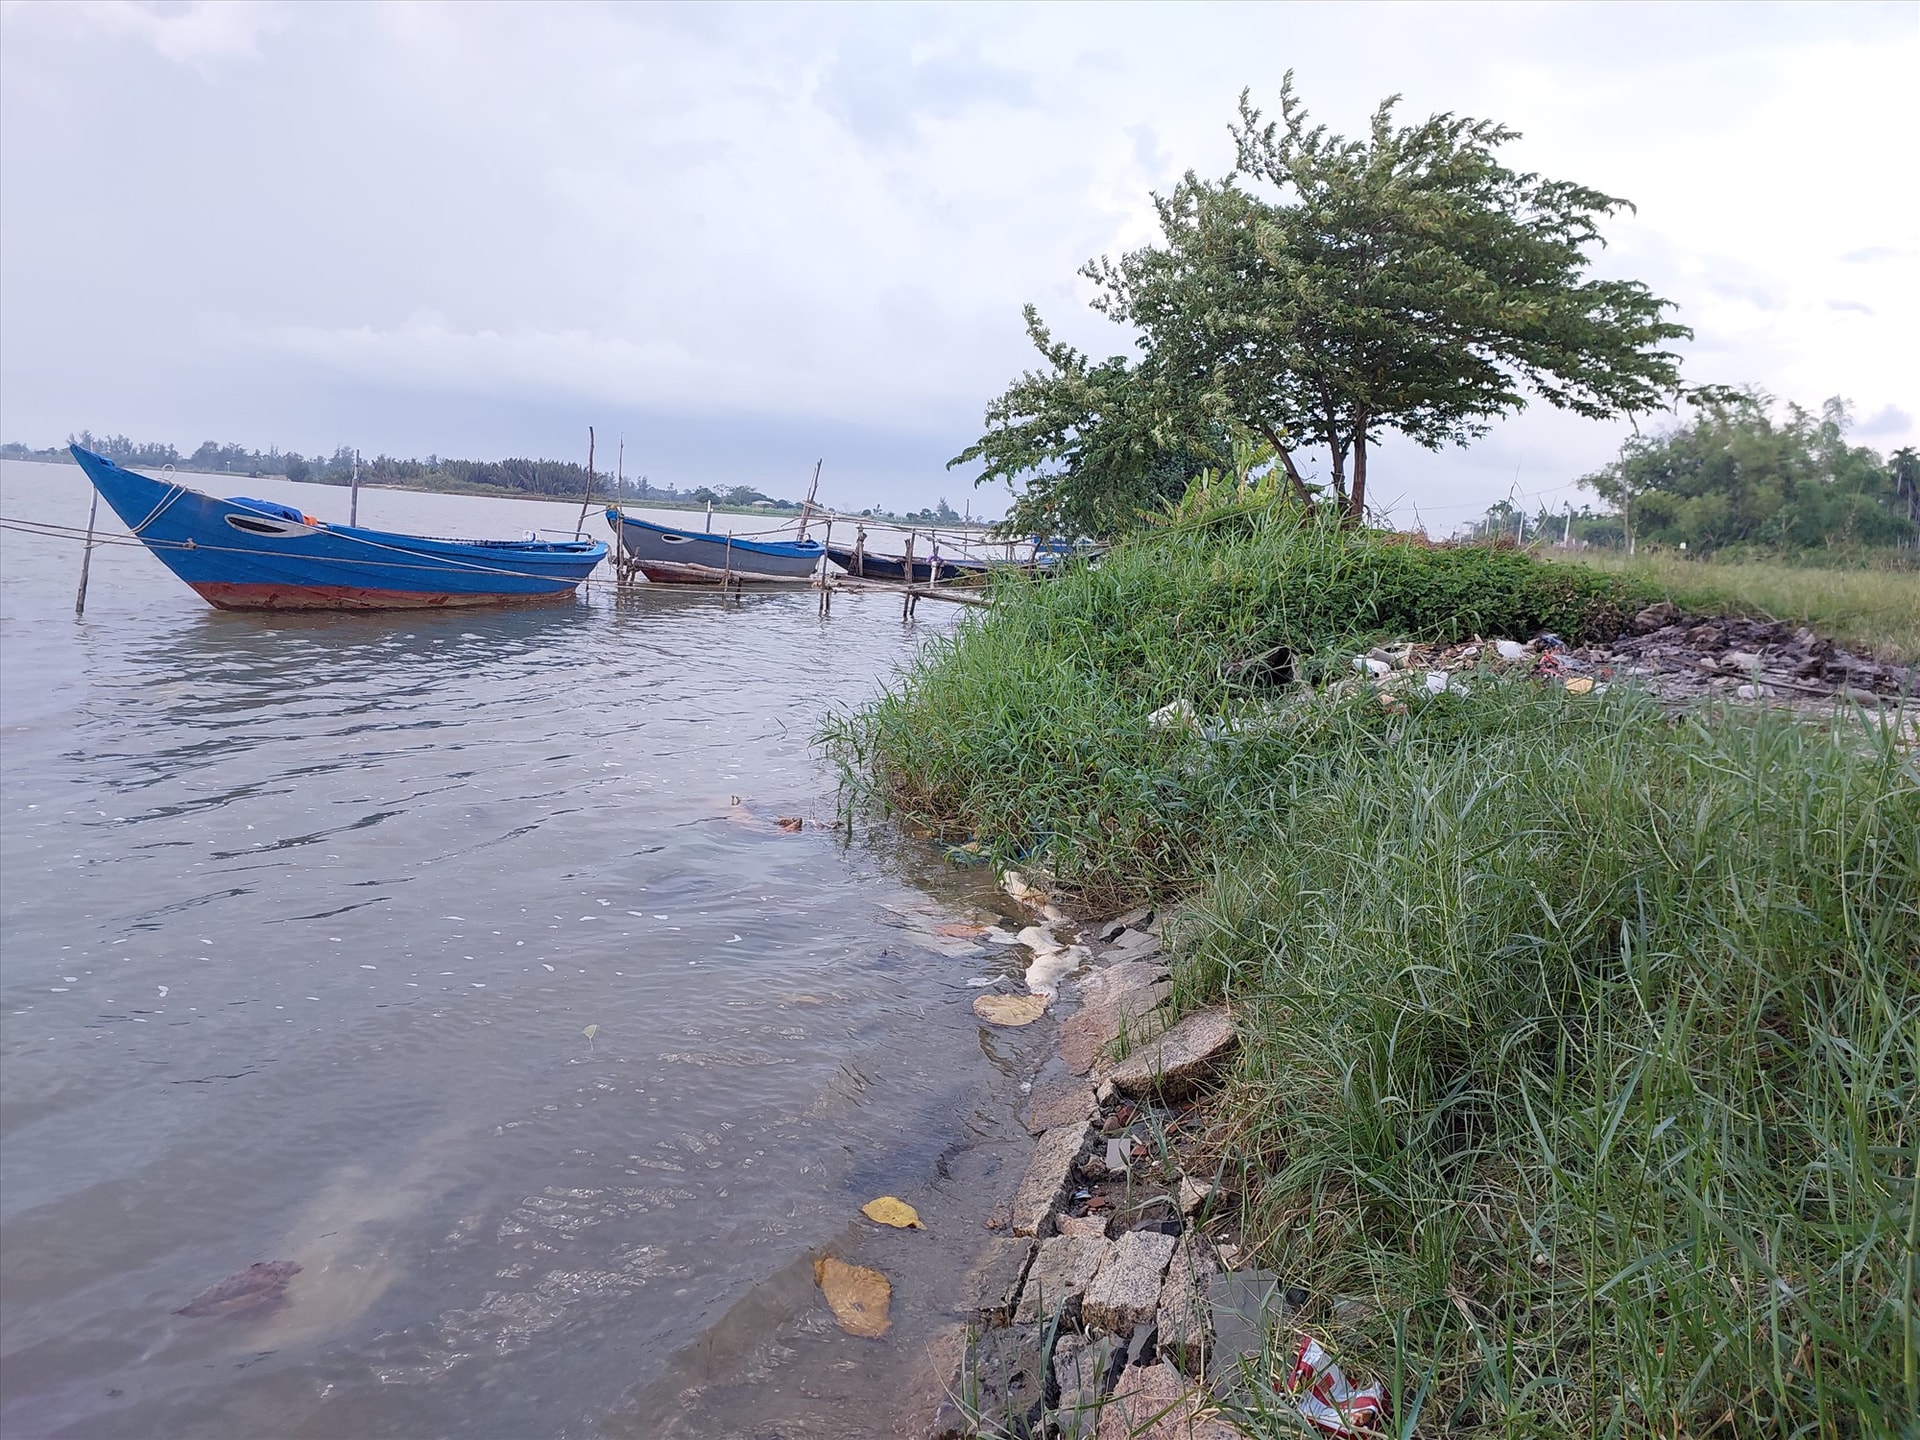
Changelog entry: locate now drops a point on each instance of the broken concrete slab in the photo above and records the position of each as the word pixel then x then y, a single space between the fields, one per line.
pixel 1064 1101
pixel 1181 1060
pixel 1155 1402
pixel 1127 1289
pixel 1133 945
pixel 1059 1276
pixel 1084 1369
pixel 1243 1306
pixel 1001 1387
pixel 930 1404
pixel 992 1287
pixel 1047 1176
pixel 1087 1033
pixel 1185 1316
pixel 1104 986
pixel 1087 1227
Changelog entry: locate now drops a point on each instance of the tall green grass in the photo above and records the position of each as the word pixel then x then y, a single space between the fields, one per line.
pixel 1027 727
pixel 1585 1057
pixel 1582 1046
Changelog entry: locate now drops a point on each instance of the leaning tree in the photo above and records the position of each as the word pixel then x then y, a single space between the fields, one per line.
pixel 1329 291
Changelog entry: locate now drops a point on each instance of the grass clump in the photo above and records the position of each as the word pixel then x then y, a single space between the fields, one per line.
pixel 1028 727
pixel 1582 1046
pixel 1585 1058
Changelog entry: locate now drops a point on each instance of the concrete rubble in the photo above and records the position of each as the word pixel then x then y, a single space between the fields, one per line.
pixel 1113 1313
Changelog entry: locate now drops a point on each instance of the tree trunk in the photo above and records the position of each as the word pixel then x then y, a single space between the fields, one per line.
pixel 1339 453
pixel 1357 503
pixel 1300 491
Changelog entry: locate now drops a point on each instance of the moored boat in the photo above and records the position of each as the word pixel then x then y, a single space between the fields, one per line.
pixel 668 556
pixel 865 565
pixel 244 554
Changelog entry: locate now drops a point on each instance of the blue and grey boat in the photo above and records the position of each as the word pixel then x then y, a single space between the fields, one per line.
pixel 668 556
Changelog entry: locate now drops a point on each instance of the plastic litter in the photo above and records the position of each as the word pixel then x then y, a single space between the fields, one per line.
pixel 1510 649
pixel 1327 1400
pixel 1175 715
pixel 1367 665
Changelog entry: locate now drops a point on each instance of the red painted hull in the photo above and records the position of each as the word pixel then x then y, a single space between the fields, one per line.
pixel 352 597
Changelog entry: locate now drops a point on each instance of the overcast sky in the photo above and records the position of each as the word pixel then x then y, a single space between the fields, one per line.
pixel 747 237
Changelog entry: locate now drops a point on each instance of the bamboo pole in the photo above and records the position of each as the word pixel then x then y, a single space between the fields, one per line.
pixel 580 530
pixel 353 495
pixel 86 557
pixel 826 589
pixel 806 507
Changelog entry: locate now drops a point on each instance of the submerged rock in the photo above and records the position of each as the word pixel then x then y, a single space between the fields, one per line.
pixel 260 1286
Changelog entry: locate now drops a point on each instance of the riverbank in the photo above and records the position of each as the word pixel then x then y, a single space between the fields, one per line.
pixel 1579 1039
pixel 1871 606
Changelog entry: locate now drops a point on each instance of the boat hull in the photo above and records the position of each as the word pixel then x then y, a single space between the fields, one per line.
pixel 257 555
pixel 667 556
pixel 893 568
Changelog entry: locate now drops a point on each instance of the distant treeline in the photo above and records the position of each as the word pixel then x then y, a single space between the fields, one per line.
pixel 558 478
pixel 1739 472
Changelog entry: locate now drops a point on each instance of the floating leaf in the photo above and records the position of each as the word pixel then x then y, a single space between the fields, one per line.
pixel 959 930
pixel 790 824
pixel 1010 1009
pixel 858 1297
pixel 888 1210
pixel 591 1031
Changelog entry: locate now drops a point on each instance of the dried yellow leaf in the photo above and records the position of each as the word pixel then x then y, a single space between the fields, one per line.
pixel 858 1297
pixel 1010 1009
pixel 888 1210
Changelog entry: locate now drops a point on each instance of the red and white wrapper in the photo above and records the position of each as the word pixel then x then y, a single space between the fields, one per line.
pixel 1327 1399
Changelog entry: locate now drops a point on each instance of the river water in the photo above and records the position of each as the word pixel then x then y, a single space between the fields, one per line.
pixel 304 922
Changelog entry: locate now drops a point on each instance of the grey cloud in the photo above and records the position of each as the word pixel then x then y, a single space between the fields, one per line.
pixel 1891 420
pixel 881 92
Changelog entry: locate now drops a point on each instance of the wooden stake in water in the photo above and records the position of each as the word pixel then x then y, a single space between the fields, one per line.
pixel 353 494
pixel 806 508
pixel 86 557
pixel 580 530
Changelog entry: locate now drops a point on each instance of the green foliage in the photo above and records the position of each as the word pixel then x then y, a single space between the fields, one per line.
pixel 1585 1051
pixel 1581 1047
pixel 1329 291
pixel 1734 475
pixel 1030 724
pixel 1088 449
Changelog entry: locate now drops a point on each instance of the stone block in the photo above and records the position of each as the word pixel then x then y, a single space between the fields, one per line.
pixel 1127 1289
pixel 992 1287
pixel 1086 1033
pixel 1181 1060
pixel 1001 1387
pixel 1054 1103
pixel 1184 1316
pixel 1084 1369
pixel 1058 1277
pixel 1155 1402
pixel 1047 1175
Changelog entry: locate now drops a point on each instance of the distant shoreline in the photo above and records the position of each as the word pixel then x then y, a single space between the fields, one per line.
pixel 502 492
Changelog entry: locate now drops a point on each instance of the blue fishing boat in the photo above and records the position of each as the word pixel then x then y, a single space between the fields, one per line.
pixel 668 556
pixel 243 554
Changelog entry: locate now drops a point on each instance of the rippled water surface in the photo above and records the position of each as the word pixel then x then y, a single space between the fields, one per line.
pixel 305 920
